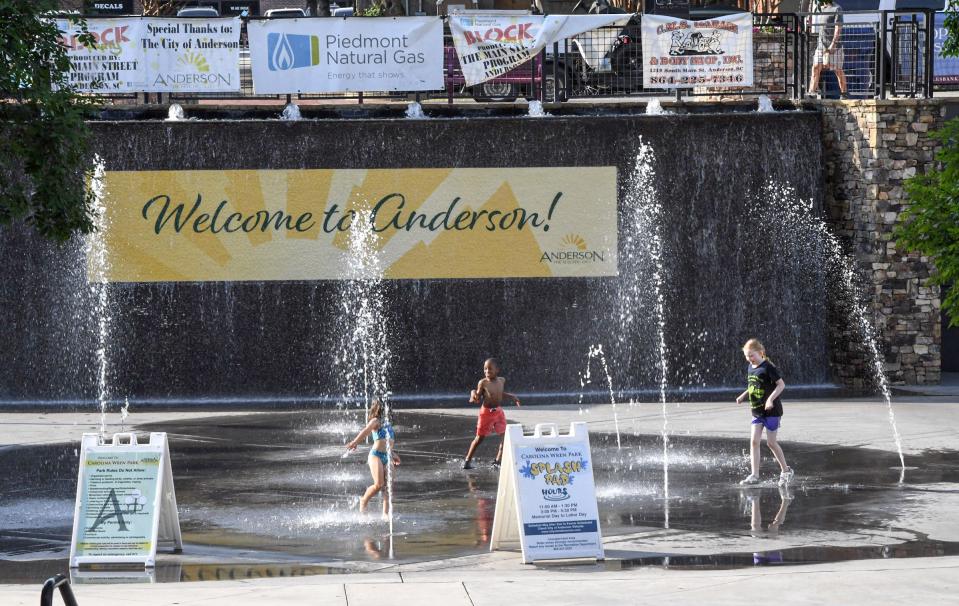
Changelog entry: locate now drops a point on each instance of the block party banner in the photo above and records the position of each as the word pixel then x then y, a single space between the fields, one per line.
pixel 489 45
pixel 681 53
pixel 232 225
pixel 154 55
pixel 341 55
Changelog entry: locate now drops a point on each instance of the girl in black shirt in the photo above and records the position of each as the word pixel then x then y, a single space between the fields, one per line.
pixel 764 384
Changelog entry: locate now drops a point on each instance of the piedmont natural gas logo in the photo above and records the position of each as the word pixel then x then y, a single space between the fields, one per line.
pixel 292 51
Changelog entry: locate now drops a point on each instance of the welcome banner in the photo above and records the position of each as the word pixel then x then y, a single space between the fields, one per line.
pixel 340 55
pixel 490 45
pixel 231 225
pixel 146 54
pixel 681 53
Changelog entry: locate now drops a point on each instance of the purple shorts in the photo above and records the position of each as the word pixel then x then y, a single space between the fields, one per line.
pixel 770 423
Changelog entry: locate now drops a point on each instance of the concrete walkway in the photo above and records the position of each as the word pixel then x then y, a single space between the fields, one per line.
pixel 926 581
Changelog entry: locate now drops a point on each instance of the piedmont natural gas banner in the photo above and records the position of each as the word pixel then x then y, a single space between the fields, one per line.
pixel 681 53
pixel 231 225
pixel 340 55
pixel 489 44
pixel 147 54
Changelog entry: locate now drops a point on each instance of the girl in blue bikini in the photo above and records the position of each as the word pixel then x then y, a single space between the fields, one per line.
pixel 380 453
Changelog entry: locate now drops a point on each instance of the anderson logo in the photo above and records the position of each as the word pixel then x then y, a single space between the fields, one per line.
pixel 198 73
pixel 574 250
pixel 292 51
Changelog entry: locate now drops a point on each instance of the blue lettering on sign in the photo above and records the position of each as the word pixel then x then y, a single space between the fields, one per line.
pixel 560 527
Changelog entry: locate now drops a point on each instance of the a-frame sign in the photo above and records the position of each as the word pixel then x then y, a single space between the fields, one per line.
pixel 125 503
pixel 546 499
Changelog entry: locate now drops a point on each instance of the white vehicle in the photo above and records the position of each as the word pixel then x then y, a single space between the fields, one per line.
pixel 198 11
pixel 284 13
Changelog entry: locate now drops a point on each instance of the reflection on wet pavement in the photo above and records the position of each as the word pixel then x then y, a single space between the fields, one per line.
pixel 274 488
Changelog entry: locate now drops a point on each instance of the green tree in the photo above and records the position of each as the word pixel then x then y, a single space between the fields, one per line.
pixel 44 139
pixel 930 223
pixel 950 46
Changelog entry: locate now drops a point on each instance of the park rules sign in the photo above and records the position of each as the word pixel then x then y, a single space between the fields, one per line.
pixel 546 497
pixel 125 501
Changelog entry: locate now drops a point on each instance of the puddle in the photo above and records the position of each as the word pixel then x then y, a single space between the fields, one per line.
pixel 273 487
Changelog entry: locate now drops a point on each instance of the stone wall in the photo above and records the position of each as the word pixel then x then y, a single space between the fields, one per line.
pixel 770 59
pixel 870 148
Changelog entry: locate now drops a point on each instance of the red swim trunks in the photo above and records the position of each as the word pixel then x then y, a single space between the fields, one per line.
pixel 491 420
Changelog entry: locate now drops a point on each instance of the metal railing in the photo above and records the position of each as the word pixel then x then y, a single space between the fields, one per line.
pixel 880 53
pixel 52 584
pixel 883 53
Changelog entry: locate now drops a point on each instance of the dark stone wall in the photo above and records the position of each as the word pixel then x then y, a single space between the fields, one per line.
pixel 726 277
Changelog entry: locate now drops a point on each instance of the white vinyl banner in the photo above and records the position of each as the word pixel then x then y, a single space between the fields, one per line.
pixel 490 44
pixel 155 55
pixel 681 53
pixel 341 55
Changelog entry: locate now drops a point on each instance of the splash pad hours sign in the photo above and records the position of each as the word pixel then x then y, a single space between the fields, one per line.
pixel 547 497
pixel 302 224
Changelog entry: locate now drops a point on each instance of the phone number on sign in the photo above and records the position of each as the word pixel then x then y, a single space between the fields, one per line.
pixel 716 79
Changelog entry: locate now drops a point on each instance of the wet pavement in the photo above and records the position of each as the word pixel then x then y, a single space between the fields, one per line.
pixel 269 495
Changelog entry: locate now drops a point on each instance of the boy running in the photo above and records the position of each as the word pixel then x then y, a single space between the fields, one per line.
pixel 489 394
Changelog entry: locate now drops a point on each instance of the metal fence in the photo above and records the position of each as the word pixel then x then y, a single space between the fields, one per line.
pixel 877 53
pixel 882 53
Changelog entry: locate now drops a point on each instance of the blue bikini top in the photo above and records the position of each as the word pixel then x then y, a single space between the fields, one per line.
pixel 385 432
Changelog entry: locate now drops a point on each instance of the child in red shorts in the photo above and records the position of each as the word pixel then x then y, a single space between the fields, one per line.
pixel 489 394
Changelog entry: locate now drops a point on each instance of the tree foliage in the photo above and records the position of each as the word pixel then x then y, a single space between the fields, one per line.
pixel 162 8
pixel 950 46
pixel 930 224
pixel 44 140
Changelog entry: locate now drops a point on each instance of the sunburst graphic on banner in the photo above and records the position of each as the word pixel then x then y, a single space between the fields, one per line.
pixel 207 247
pixel 574 241
pixel 478 252
pixel 194 60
